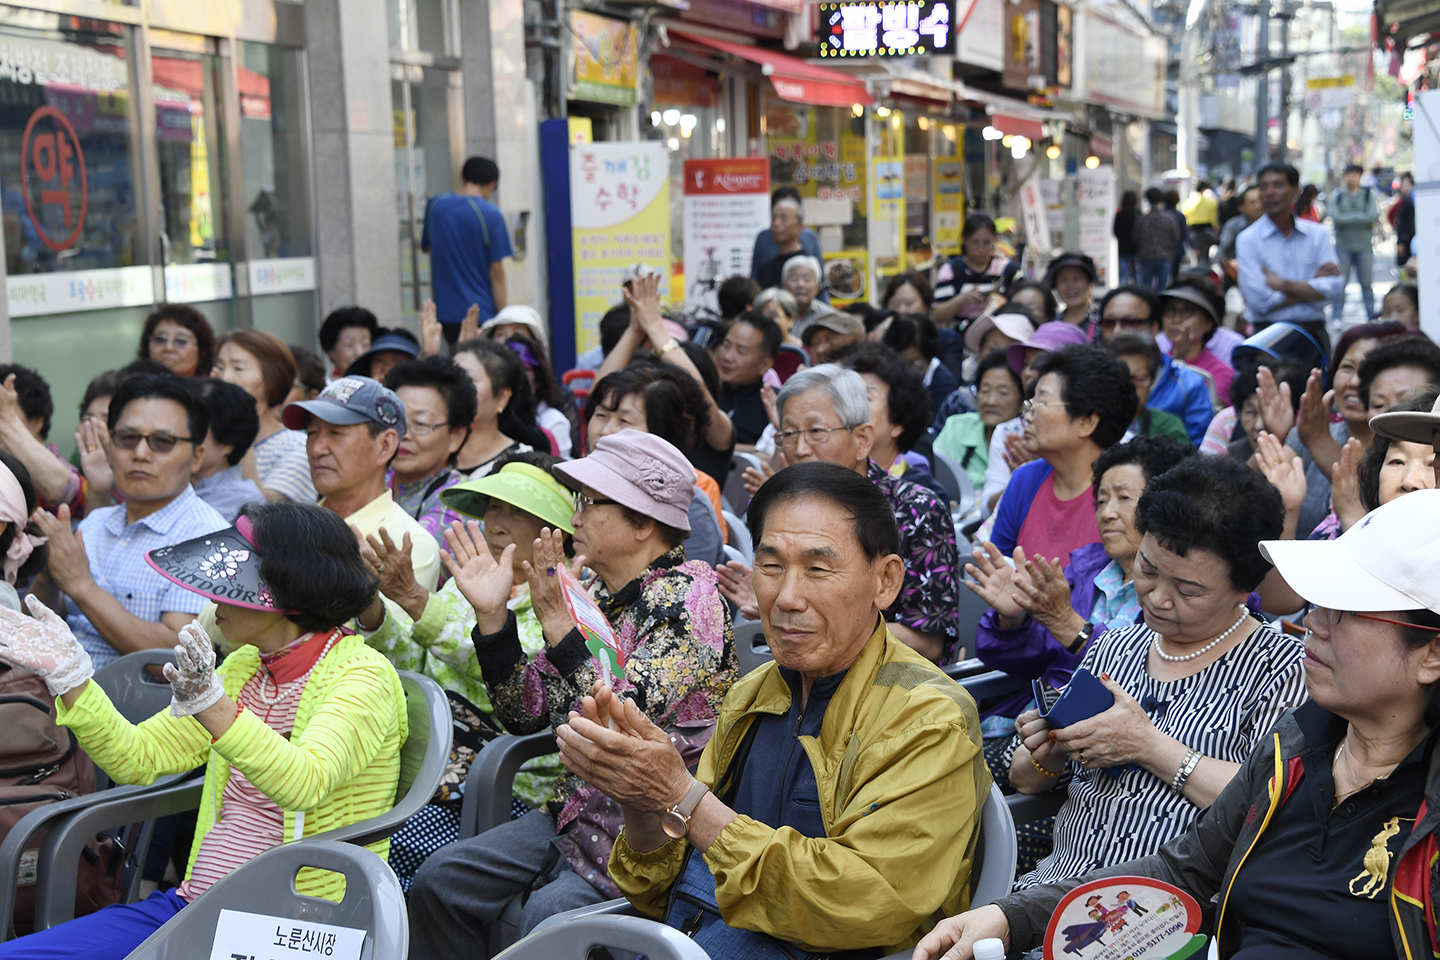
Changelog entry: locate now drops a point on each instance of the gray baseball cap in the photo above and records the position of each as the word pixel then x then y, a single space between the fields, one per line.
pixel 350 400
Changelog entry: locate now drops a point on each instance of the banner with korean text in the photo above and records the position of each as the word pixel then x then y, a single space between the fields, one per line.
pixel 727 203
pixel 620 217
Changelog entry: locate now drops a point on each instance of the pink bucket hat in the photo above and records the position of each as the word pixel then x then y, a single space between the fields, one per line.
pixel 639 470
pixel 1055 335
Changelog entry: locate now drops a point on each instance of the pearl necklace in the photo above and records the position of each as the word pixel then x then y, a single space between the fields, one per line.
pixel 283 693
pixel 1244 613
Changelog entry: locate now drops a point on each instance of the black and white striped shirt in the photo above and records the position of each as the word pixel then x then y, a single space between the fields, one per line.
pixel 1222 711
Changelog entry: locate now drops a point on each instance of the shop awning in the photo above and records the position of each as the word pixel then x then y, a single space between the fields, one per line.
pixel 1018 126
pixel 793 78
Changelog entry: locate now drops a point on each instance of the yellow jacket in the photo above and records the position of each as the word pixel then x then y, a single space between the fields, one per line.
pixel 340 765
pixel 901 777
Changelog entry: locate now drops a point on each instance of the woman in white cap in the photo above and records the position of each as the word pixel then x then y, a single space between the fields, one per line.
pixel 674 631
pixel 1323 844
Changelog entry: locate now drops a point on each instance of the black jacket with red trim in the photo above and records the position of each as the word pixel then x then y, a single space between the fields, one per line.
pixel 1203 861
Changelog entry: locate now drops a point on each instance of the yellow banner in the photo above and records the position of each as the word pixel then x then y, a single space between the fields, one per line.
pixel 606 59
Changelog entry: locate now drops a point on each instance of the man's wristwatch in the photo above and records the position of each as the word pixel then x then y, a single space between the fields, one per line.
pixel 1082 638
pixel 676 821
pixel 666 347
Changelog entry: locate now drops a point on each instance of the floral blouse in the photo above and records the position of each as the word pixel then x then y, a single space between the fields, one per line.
pixel 421 499
pixel 928 596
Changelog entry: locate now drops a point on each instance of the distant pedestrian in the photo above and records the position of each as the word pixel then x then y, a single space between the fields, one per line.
pixel 467 240
pixel 1172 208
pixel 1124 228
pixel 1156 235
pixel 1202 215
pixel 1306 208
pixel 1354 211
pixel 1402 218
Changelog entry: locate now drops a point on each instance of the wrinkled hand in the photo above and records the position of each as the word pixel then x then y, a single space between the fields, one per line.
pixel 1277 411
pixel 431 335
pixel 1313 419
pixel 546 598
pixel 92 439
pixel 635 764
pixel 1017 452
pixel 470 326
pixel 755 479
pixel 1123 734
pixel 1287 474
pixel 1345 485
pixel 642 295
pixel 772 410
pixel 10 410
pixel 737 584
pixel 194 685
pixel 43 644
pixel 955 937
pixel 393 565
pixel 480 578
pixel 994 583
pixel 1038 737
pixel 69 565
pixel 1045 594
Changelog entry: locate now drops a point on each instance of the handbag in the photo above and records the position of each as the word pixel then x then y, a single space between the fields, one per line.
pixel 473 729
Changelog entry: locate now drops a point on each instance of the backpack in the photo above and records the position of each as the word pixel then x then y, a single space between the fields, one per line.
pixel 41 763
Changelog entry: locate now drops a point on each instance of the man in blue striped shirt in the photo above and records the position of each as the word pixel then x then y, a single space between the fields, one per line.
pixel 1288 266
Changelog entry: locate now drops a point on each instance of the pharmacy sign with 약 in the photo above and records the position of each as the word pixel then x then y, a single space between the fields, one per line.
pixel 886 28
pixel 52 174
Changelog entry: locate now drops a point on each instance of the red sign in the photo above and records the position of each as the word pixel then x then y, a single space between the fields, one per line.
pixel 740 175
pixel 50 154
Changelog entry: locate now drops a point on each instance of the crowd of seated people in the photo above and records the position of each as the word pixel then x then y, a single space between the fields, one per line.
pixel 1143 476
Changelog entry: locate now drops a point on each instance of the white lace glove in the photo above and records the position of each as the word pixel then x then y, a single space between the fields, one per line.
pixel 194 686
pixel 43 644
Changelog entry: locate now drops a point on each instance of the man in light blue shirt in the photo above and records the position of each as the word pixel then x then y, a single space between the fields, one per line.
pixel 1288 267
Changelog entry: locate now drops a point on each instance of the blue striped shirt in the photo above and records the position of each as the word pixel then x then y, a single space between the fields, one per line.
pixel 1295 257
pixel 283 465
pixel 1222 711
pixel 117 563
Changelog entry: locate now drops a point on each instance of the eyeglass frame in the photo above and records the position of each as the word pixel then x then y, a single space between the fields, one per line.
pixel 149 439
pixel 160 340
pixel 1364 616
pixel 425 429
pixel 583 503
pixel 794 435
pixel 1028 408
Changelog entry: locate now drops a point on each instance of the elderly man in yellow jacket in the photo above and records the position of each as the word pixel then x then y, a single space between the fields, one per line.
pixel 838 804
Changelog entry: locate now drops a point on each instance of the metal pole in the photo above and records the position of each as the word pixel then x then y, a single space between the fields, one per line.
pixel 1282 149
pixel 1262 93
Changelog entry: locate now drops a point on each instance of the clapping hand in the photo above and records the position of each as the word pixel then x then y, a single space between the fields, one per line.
pixel 480 578
pixel 470 326
pixel 1045 594
pixel 1345 485
pixel 546 598
pixel 1017 452
pixel 43 644
pixel 194 685
pixel 393 565
pixel 69 565
pixel 994 582
pixel 92 439
pixel 1287 474
pixel 1277 411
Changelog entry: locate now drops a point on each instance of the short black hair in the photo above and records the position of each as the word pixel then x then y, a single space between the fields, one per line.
pixel 1142 293
pixel 675 406
pixel 909 400
pixel 1094 381
pixel 343 317
pixel 735 295
pixel 1134 345
pixel 913 330
pixel 1044 291
pixel 1217 504
pixel 1407 290
pixel 1153 455
pixel 481 171
pixel 1291 175
pixel 309 370
pixel 197 420
pixel 770 334
pixel 784 193
pixel 310 560
pixel 873 516
pixel 976 221
pixel 34 394
pixel 1354 168
pixel 996 360
pixel 232 415
pixel 105 385
pixel 1375 454
pixel 40 555
pixel 446 378
pixel 613 326
pixel 1154 196
pixel 1411 350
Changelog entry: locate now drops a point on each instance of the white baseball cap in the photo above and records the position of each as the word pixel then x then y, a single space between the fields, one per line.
pixel 1387 561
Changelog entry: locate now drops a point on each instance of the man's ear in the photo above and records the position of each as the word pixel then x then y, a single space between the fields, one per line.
pixel 889 574
pixel 389 444
pixel 865 439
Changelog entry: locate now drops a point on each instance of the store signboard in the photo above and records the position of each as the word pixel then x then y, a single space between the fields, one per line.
pixel 980 40
pixel 1325 93
pixel 886 28
pixel 887 214
pixel 949 194
pixel 606 59
pixel 619 216
pixel 282 275
pixel 1118 66
pixel 36 294
pixel 1032 215
pixel 1095 198
pixel 727 202
pixel 198 282
pixel 1024 68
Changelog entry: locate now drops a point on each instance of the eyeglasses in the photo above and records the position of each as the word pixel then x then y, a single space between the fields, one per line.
pixel 180 343
pixel 1125 323
pixel 587 502
pixel 1028 408
pixel 814 436
pixel 159 442
pixel 1332 617
pixel 425 429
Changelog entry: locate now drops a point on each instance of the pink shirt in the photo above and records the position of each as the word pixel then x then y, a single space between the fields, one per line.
pixel 1218 369
pixel 1054 527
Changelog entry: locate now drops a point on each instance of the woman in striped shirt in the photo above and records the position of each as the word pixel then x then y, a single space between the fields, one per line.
pixel 1196 685
pixel 300 728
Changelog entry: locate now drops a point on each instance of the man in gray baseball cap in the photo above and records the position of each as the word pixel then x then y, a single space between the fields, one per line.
pixel 353 429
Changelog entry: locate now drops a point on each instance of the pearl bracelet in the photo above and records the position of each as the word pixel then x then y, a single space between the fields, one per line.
pixel 1187 767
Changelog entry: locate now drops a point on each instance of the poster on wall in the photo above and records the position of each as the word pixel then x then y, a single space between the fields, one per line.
pixel 606 59
pixel 821 153
pixel 1095 198
pixel 620 216
pixel 949 196
pixel 887 214
pixel 727 202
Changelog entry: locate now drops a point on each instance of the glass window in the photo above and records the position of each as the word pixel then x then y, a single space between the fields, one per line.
pixel 188 139
pixel 272 152
pixel 417 25
pixel 423 168
pixel 67 147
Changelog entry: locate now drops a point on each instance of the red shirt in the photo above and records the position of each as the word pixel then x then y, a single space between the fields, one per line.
pixel 1054 527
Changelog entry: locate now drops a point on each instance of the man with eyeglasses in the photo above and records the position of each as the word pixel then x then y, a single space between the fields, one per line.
pixel 825 415
pixel 118 603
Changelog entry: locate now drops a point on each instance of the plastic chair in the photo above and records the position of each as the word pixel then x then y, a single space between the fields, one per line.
pixel 491 781
pixel 733 489
pixel 632 935
pixel 266 885
pixel 969 608
pixel 740 537
pixel 569 377
pixel 733 553
pixel 751 650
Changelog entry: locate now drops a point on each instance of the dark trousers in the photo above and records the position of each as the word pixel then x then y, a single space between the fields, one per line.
pixel 462 889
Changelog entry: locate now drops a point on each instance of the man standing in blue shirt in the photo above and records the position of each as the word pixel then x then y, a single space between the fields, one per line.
pixel 1288 267
pixel 466 238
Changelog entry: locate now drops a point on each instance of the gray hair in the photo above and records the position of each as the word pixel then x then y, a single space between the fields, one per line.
pixel 784 298
pixel 797 263
pixel 791 202
pixel 846 390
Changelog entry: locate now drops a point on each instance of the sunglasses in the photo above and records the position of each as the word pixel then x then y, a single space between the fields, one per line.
pixel 159 442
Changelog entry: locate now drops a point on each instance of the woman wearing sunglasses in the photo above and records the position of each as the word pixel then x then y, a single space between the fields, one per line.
pixel 1323 843
pixel 179 336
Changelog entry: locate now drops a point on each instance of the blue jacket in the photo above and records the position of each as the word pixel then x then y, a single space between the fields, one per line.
pixel 1182 392
pixel 1014 506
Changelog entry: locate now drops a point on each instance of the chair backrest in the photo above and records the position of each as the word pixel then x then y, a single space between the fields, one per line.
pixel 739 537
pixel 136 693
pixel 955 481
pixel 575 939
pixel 733 553
pixel 997 853
pixel 968 611
pixel 423 757
pixel 750 648
pixel 733 490
pixel 373 901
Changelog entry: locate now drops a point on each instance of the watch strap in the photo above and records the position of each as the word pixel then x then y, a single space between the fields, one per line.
pixel 686 807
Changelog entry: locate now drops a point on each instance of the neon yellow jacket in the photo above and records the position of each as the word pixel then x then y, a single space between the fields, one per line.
pixel 340 765
pixel 901 777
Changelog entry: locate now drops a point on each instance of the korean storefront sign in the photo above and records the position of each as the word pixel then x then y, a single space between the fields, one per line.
pixel 33 294
pixel 949 194
pixel 886 28
pixel 606 59
pixel 619 216
pixel 1024 67
pixel 727 203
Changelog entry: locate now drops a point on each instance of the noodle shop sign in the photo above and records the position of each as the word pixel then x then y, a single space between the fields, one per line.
pixel 52 172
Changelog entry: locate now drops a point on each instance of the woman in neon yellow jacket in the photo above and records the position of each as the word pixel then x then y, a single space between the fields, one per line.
pixel 300 728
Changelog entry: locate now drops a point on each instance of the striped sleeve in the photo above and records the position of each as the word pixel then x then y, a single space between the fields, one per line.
pixel 133 753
